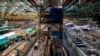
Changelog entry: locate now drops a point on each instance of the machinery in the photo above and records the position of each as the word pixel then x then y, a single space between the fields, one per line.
pixel 7 39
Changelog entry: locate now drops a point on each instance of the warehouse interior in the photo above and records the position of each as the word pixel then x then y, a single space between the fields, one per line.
pixel 49 27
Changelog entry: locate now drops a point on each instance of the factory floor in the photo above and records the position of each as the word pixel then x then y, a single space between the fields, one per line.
pixel 37 49
pixel 33 52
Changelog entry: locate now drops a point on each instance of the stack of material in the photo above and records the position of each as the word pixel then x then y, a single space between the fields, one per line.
pixel 21 49
pixel 8 50
pixel 23 46
pixel 13 53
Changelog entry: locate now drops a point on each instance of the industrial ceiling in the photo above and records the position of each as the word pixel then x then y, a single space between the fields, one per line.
pixel 30 7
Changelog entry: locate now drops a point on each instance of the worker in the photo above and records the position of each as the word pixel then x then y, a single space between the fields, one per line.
pixel 17 51
pixel 94 39
pixel 36 46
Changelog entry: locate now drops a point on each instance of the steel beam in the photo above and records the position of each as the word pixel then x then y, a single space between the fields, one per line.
pixel 33 3
pixel 65 2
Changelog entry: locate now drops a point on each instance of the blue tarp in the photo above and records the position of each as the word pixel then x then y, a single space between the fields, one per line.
pixel 56 11
pixel 56 18
pixel 56 14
